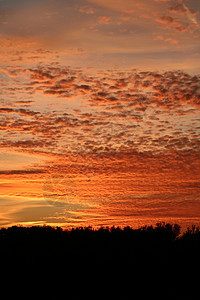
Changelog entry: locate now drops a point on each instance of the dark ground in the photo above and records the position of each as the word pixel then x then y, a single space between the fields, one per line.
pixel 108 263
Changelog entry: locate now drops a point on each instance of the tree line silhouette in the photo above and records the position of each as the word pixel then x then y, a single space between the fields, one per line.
pixel 46 242
pixel 156 258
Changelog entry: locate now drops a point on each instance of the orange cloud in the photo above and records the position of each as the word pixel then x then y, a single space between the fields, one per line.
pixel 128 99
pixel 104 20
pixel 178 8
pixel 165 20
pixel 86 10
pixel 171 41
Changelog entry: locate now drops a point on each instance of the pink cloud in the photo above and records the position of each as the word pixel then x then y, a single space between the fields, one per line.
pixel 165 20
pixel 104 20
pixel 174 24
pixel 178 8
pixel 171 41
pixel 86 10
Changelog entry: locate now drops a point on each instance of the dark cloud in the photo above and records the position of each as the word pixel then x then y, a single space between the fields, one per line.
pixel 21 172
pixel 178 8
pixel 165 20
pixel 26 144
pixel 139 88
pixel 24 102
pixel 33 214
pixel 20 111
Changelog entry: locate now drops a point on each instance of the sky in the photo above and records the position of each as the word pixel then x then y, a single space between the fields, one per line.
pixel 99 112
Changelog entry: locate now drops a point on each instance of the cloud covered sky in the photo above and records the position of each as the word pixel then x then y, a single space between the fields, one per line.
pixel 99 113
pixel 143 34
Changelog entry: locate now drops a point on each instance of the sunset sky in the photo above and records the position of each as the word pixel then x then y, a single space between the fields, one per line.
pixel 99 112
